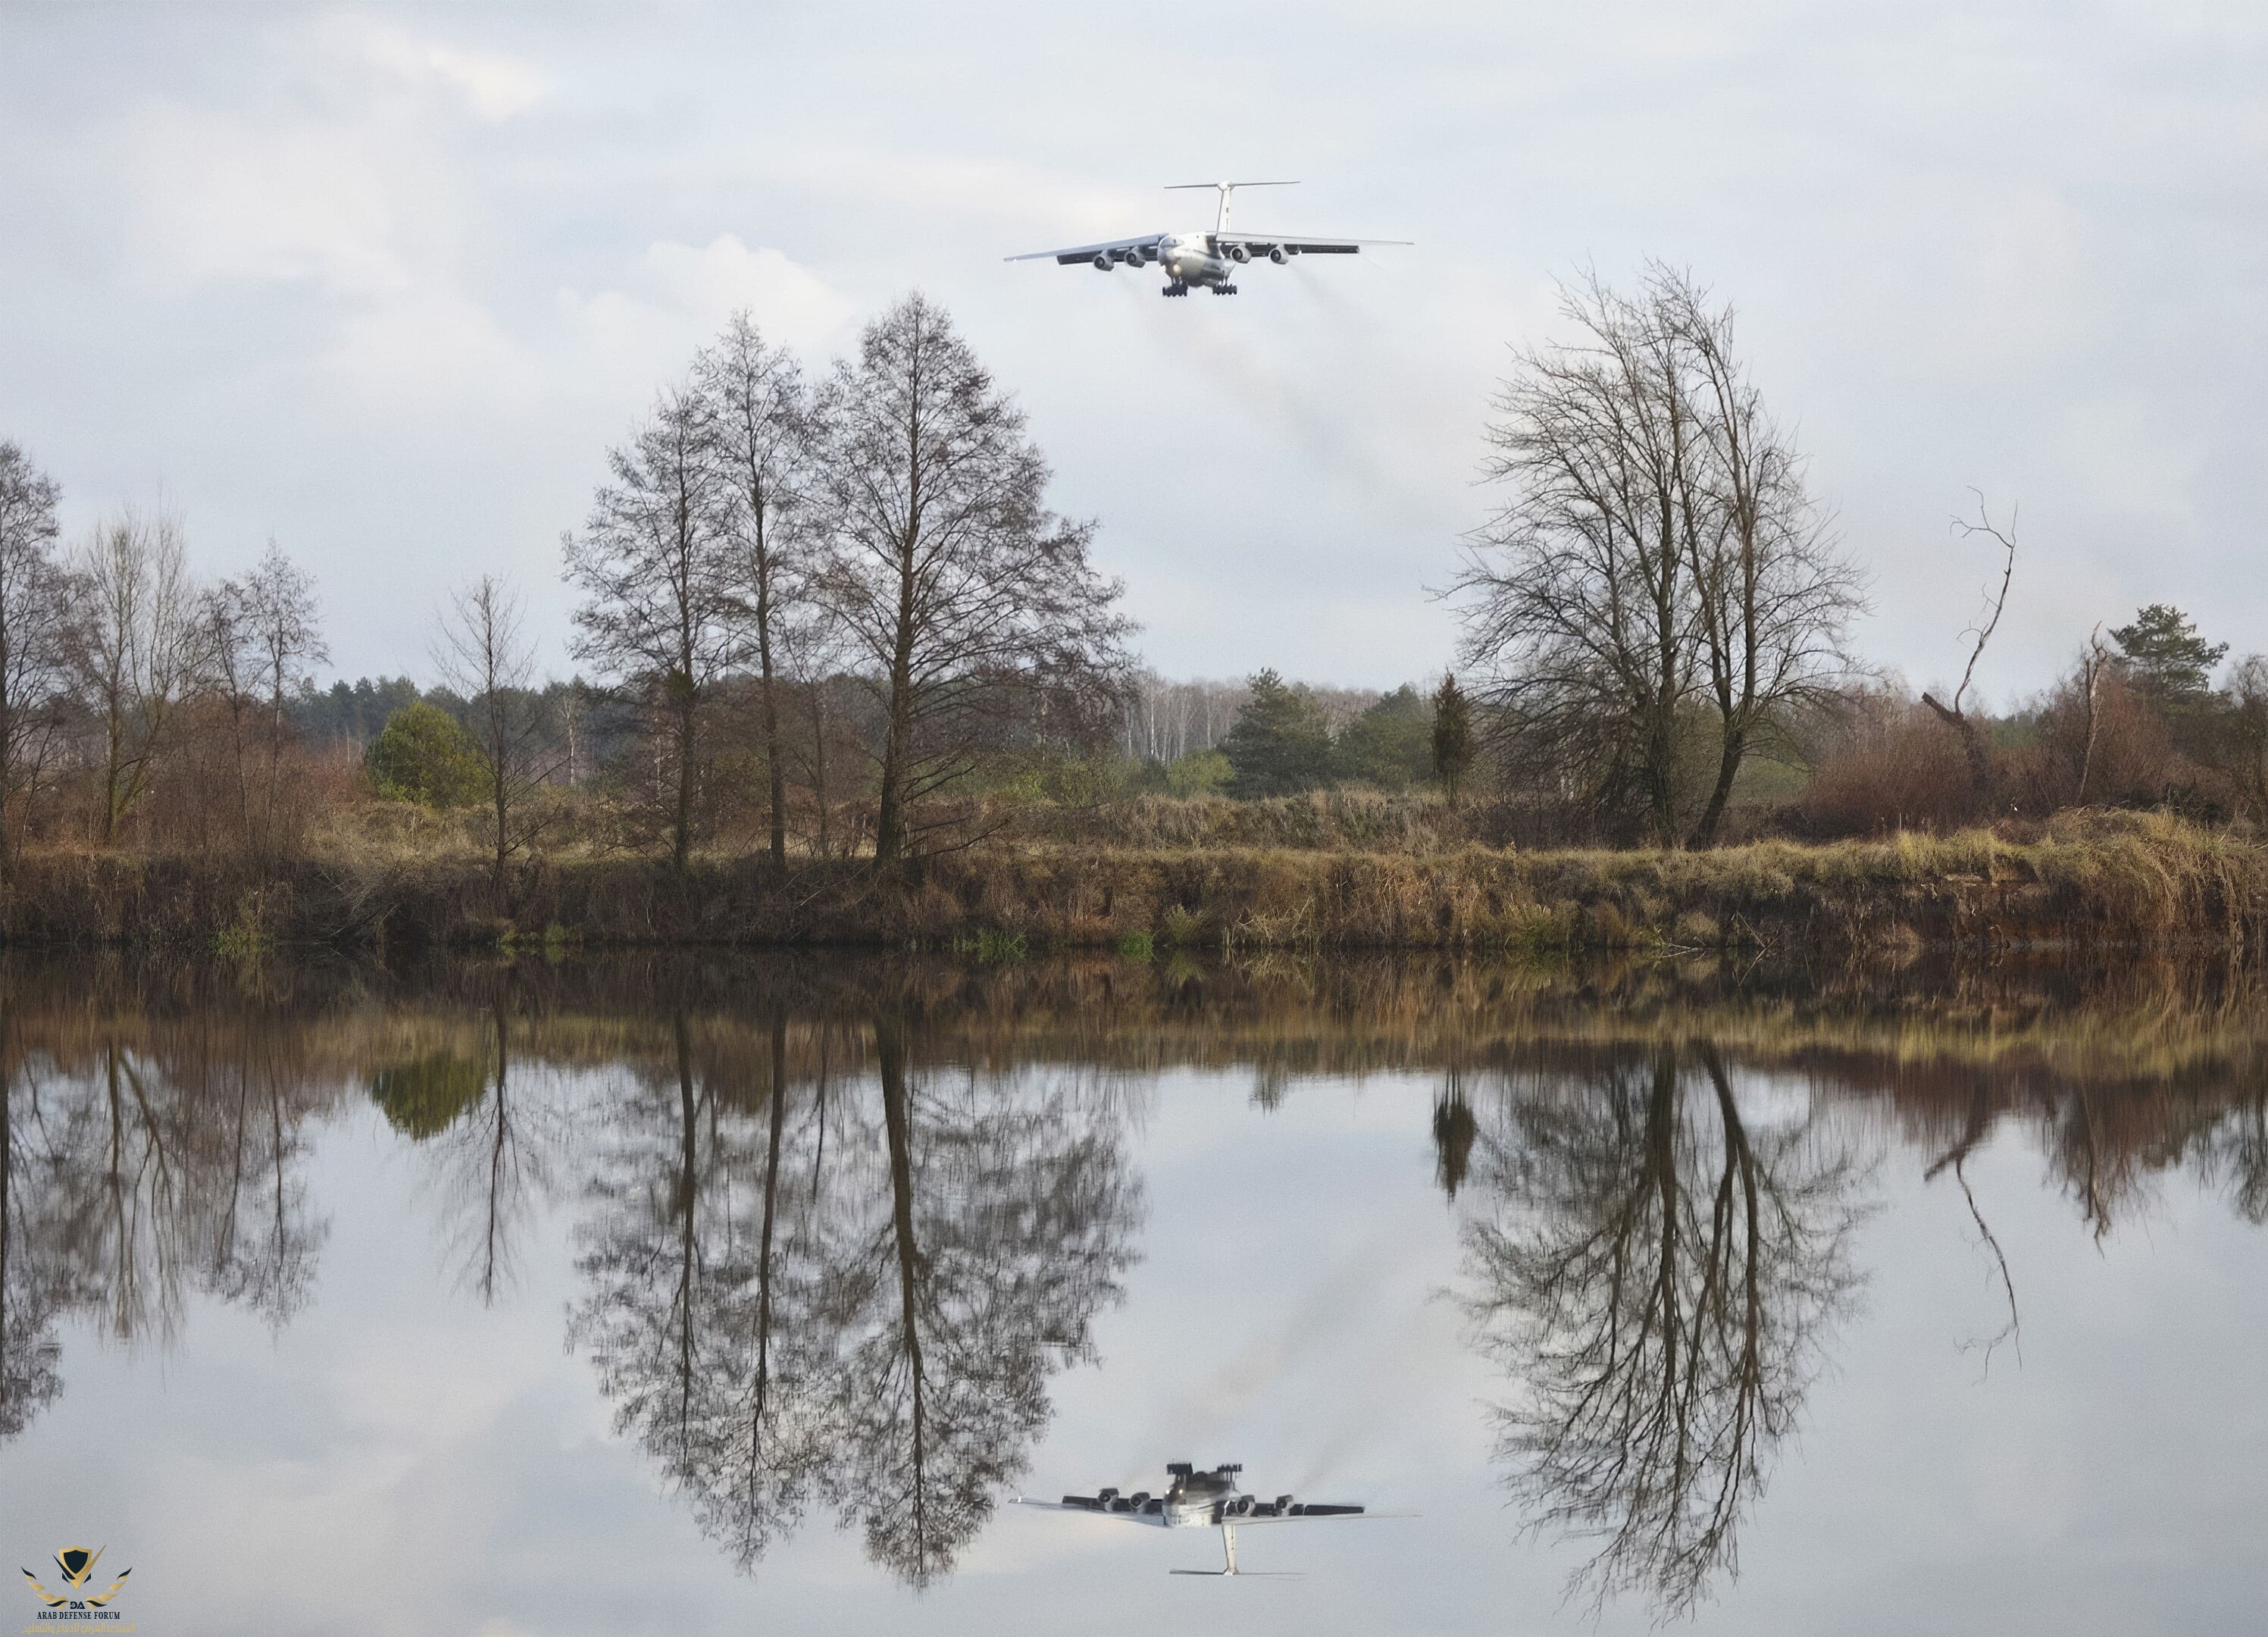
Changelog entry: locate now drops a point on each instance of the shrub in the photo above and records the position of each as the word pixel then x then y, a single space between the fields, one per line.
pixel 426 758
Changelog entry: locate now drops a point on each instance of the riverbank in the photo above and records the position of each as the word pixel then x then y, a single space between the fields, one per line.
pixel 2096 879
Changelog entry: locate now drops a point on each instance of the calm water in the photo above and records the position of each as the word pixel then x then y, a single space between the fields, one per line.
pixel 692 1297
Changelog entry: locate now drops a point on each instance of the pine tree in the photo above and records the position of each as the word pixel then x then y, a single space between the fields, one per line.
pixel 1279 743
pixel 2168 662
pixel 1453 737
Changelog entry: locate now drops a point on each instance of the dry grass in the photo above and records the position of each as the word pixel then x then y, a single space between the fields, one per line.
pixel 2118 878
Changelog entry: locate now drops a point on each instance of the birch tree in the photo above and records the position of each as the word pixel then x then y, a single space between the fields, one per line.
pixel 141 649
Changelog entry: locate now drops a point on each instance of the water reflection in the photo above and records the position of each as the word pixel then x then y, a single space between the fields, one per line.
pixel 849 1291
pixel 146 1166
pixel 1657 1276
pixel 837 1227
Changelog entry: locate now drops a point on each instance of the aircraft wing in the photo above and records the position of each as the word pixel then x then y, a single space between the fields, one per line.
pixel 1316 1515
pixel 1300 244
pixel 1156 1520
pixel 1087 253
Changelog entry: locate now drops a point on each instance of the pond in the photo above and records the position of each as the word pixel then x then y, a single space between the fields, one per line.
pixel 628 1295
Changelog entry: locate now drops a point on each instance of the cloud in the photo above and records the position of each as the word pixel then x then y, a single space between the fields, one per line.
pixel 496 87
pixel 677 296
pixel 220 198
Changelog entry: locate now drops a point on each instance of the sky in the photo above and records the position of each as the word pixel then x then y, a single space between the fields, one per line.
pixel 383 282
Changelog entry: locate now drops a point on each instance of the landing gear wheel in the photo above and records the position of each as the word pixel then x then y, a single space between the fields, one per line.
pixel 1224 290
pixel 1175 289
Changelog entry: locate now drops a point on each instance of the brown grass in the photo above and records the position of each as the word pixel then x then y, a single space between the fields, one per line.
pixel 2096 878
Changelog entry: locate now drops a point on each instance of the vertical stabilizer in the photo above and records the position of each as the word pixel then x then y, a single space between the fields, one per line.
pixel 1227 191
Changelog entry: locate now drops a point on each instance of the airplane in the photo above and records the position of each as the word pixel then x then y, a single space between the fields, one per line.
pixel 1196 1500
pixel 1206 260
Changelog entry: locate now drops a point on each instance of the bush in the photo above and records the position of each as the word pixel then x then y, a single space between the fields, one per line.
pixel 426 758
pixel 1199 773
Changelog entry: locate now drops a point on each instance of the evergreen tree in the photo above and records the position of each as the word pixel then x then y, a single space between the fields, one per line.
pixel 425 756
pixel 1388 744
pixel 1453 737
pixel 2168 663
pixel 1279 743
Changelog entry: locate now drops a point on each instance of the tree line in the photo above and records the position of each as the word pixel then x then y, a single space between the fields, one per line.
pixel 830 610
pixel 806 587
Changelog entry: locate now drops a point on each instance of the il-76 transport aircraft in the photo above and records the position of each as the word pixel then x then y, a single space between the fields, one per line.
pixel 1201 258
pixel 1196 1500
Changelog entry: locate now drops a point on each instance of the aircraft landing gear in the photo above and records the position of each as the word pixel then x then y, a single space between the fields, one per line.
pixel 1175 289
pixel 1224 290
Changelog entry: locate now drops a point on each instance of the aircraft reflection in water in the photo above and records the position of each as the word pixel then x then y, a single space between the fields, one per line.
pixel 821 1275
pixel 1196 1500
pixel 824 1266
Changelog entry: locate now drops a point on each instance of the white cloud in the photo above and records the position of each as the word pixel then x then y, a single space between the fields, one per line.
pixel 496 87
pixel 221 198
pixel 677 296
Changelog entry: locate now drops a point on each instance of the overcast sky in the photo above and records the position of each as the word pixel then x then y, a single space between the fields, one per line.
pixel 384 281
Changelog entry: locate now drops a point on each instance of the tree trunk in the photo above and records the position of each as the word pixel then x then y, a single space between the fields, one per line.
pixel 1972 746
pixel 890 1055
pixel 890 817
pixel 1729 768
pixel 681 855
pixel 777 773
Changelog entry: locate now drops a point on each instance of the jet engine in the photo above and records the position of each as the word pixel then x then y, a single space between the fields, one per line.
pixel 1279 255
pixel 1102 262
pixel 1238 253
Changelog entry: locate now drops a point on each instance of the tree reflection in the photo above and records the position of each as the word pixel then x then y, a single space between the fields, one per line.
pixel 492 1142
pixel 1657 1278
pixel 29 1292
pixel 850 1295
pixel 134 1177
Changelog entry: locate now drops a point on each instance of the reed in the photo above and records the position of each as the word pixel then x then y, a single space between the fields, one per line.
pixel 2098 879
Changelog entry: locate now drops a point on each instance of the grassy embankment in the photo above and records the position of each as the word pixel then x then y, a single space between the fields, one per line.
pixel 2096 879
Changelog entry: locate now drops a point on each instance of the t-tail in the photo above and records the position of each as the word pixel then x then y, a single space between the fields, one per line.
pixel 1227 191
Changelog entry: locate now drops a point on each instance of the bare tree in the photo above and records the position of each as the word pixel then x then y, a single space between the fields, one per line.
pixel 1661 563
pixel 1580 608
pixel 1773 598
pixel 978 610
pixel 262 635
pixel 484 657
pixel 655 565
pixel 143 649
pixel 1956 715
pixel 761 411
pixel 35 631
pixel 2093 662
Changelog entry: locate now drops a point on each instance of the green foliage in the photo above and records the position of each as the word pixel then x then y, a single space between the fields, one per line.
pixel 1138 947
pixel 426 758
pixel 1389 746
pixel 1069 781
pixel 2168 662
pixel 422 1099
pixel 1451 737
pixel 1279 743
pixel 992 946
pixel 1199 773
